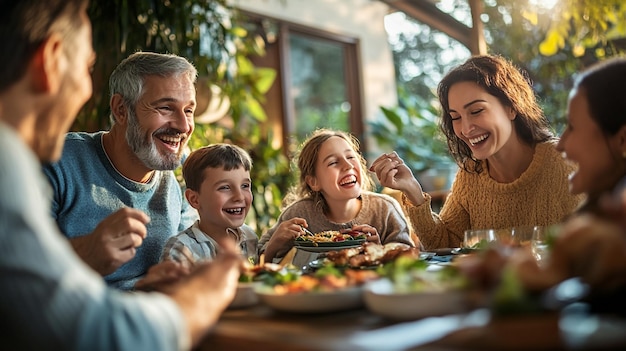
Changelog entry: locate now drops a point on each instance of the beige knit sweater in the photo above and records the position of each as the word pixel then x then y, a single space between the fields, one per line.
pixel 378 210
pixel 540 196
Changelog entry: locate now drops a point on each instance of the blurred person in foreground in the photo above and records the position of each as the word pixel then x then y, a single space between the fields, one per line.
pixel 591 244
pixel 50 299
pixel 511 174
pixel 101 175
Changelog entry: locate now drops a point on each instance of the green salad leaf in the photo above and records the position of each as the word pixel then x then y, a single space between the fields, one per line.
pixel 411 275
pixel 510 297
pixel 271 278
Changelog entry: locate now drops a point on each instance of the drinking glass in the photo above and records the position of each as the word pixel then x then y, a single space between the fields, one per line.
pixel 478 238
pixel 541 241
pixel 522 236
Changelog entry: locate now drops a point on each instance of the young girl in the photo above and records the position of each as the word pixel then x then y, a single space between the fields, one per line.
pixel 334 194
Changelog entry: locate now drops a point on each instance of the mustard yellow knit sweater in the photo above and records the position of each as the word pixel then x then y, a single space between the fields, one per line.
pixel 540 196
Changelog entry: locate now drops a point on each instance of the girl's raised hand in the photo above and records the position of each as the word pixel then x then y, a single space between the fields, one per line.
pixel 369 231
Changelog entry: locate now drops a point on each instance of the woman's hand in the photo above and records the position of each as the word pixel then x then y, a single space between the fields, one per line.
pixel 393 173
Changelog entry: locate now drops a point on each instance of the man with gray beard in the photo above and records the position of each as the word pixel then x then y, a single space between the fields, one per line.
pixel 101 175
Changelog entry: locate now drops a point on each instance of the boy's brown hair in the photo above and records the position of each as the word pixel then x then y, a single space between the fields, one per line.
pixel 223 155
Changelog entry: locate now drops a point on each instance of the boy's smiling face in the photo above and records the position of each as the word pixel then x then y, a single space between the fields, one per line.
pixel 223 200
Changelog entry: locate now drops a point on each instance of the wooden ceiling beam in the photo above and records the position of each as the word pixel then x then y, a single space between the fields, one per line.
pixel 426 12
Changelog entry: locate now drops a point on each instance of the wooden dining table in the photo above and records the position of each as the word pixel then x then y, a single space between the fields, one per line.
pixel 566 327
pixel 261 328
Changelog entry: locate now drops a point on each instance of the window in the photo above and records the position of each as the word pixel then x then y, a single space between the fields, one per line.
pixel 317 85
pixel 318 80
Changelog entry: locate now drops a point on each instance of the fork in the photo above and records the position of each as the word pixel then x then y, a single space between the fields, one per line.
pixel 308 232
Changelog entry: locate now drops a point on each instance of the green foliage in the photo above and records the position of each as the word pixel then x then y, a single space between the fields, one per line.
pixel 510 297
pixel 310 119
pixel 412 130
pixel 516 30
pixel 213 36
pixel 580 25
pixel 122 27
pixel 422 55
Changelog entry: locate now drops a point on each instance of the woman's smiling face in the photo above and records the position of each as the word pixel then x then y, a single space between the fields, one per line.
pixel 598 155
pixel 479 119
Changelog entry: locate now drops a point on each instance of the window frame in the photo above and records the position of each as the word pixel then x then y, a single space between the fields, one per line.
pixel 278 58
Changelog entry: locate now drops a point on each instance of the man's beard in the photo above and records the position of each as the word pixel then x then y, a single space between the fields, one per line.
pixel 145 149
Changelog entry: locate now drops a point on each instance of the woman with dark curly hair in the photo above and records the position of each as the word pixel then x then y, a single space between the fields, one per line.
pixel 511 174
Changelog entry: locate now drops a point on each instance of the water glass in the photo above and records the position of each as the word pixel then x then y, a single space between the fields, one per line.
pixel 522 236
pixel 478 238
pixel 541 241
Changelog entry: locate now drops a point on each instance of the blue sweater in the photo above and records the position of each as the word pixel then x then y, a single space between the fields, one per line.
pixel 87 188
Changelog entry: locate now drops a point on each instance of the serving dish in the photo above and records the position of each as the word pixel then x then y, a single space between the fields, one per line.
pixel 382 298
pixel 334 244
pixel 314 301
pixel 245 296
pixel 326 248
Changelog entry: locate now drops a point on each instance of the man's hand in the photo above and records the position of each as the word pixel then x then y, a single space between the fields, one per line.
pixel 206 292
pixel 162 276
pixel 114 241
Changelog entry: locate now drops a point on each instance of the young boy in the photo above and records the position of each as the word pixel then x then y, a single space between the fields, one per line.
pixel 219 187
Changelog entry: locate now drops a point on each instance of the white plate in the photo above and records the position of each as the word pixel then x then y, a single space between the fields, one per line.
pixel 313 302
pixel 381 299
pixel 245 296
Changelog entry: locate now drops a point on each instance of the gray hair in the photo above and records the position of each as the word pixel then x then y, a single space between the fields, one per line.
pixel 128 77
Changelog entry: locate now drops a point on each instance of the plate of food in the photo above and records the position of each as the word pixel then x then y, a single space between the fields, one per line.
pixel 371 254
pixel 330 239
pixel 250 277
pixel 320 249
pixel 412 289
pixel 312 301
pixel 245 296
pixel 329 289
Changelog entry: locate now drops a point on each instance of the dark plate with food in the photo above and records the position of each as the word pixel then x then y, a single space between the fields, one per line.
pixel 329 240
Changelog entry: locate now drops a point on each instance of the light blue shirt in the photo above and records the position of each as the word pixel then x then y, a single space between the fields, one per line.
pixel 49 299
pixel 195 244
pixel 87 189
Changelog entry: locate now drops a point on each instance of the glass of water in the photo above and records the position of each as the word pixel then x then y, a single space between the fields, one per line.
pixel 541 242
pixel 478 238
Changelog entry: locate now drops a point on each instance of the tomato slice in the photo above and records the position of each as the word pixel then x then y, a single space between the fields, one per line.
pixel 354 233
